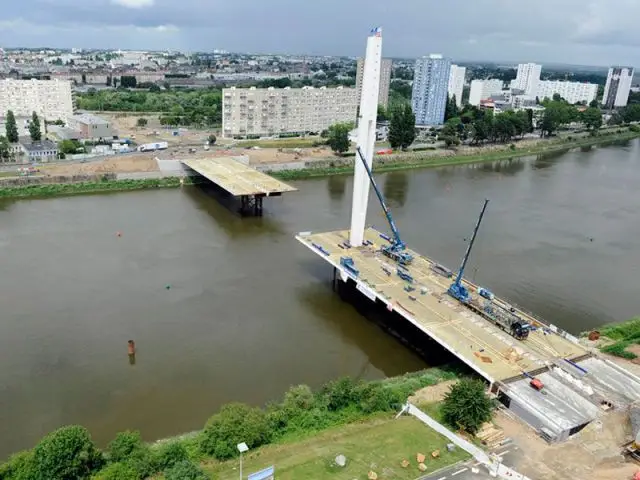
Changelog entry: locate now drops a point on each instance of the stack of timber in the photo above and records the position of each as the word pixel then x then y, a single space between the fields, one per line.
pixel 490 436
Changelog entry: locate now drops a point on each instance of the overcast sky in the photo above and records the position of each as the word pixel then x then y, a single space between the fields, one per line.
pixel 588 32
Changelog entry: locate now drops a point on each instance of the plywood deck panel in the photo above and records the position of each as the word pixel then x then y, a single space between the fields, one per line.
pixel 237 178
pixel 475 340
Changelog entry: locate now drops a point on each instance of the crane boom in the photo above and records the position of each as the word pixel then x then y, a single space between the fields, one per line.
pixel 397 247
pixel 457 290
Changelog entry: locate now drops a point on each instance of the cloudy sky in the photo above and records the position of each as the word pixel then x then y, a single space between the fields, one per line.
pixel 590 32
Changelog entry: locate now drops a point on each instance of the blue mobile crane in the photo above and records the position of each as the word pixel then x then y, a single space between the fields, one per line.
pixel 457 290
pixel 395 251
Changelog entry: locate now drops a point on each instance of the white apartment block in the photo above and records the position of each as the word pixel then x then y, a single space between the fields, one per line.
pixel 50 99
pixel 272 111
pixel 483 89
pixel 456 82
pixel 572 92
pixel 527 78
pixel 616 91
pixel 385 80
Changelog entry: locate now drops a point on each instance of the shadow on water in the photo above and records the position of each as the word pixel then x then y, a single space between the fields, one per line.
pixel 427 349
pixel 396 188
pixel 233 223
pixel 336 186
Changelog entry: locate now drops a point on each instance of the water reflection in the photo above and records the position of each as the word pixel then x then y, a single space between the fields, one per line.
pixel 336 186
pixel 546 160
pixel 396 188
pixel 510 166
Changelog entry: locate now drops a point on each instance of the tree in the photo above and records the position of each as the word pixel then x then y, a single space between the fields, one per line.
pixel 338 138
pixel 593 103
pixel 504 127
pixel 185 470
pixel 170 454
pixel 467 405
pixel 5 151
pixel 128 81
pixel 382 114
pixel 592 118
pixel 451 108
pixel 66 453
pixel 11 127
pixel 117 471
pixel 235 423
pixel 124 445
pixel 142 122
pixel 34 128
pixel 108 80
pixel 212 139
pixel 84 78
pixel 402 127
pixel 70 147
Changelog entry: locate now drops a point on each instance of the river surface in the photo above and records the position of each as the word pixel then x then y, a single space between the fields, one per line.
pixel 224 308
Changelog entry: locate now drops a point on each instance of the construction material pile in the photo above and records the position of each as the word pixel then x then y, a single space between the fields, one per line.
pixel 490 436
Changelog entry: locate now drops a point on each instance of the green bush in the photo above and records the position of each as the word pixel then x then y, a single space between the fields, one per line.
pixel 184 470
pixel 235 423
pixel 143 462
pixel 634 128
pixel 623 330
pixel 298 398
pixel 18 467
pixel 340 393
pixel 467 405
pixel 117 471
pixel 375 397
pixel 170 454
pixel 123 445
pixel 67 453
pixel 619 350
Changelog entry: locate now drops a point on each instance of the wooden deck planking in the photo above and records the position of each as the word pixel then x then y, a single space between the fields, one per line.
pixel 237 178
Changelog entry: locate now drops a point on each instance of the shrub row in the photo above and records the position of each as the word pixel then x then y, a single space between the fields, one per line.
pixel 69 453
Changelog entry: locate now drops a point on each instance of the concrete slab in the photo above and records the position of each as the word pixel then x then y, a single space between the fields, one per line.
pixel 237 178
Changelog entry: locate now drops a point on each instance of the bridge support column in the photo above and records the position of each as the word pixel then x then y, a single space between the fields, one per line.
pixel 251 205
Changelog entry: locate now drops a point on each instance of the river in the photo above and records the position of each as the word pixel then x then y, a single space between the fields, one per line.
pixel 224 308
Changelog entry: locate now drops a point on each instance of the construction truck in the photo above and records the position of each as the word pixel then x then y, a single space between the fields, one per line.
pixel 507 320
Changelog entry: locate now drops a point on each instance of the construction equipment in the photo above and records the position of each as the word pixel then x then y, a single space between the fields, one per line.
pixel 457 290
pixel 395 251
pixel 347 263
pixel 508 320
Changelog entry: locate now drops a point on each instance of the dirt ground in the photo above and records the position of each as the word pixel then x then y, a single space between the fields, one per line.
pixel 432 394
pixel 122 164
pixel 594 453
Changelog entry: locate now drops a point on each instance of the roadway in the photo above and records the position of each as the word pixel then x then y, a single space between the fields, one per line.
pixel 472 470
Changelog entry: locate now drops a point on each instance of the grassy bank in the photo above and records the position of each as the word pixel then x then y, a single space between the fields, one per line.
pixel 61 189
pixel 624 335
pixel 406 161
pixel 381 440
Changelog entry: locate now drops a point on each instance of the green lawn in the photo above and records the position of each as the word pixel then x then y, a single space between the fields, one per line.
pixel 296 142
pixel 379 444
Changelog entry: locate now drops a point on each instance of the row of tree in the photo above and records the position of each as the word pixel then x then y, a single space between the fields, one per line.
pixel 11 133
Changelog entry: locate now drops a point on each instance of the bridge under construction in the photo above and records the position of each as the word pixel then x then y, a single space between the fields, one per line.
pixel 240 180
pixel 541 373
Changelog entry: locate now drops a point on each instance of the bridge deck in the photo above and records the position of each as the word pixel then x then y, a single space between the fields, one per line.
pixel 476 341
pixel 237 178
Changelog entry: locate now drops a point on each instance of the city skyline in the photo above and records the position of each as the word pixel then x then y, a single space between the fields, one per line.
pixel 592 33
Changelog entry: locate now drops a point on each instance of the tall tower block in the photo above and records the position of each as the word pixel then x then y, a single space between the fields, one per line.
pixel 366 134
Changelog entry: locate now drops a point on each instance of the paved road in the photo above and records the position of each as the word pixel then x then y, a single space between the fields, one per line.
pixel 471 470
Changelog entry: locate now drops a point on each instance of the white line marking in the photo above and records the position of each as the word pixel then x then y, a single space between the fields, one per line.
pixel 459 471
pixel 442 478
pixel 503 453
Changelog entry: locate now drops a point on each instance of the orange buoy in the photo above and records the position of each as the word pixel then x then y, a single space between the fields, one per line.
pixel 131 347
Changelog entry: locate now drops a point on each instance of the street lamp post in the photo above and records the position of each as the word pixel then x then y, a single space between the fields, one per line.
pixel 242 447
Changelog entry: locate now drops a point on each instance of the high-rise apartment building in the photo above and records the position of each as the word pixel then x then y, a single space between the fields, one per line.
pixel 484 89
pixel 272 111
pixel 616 91
pixel 385 80
pixel 456 83
pixel 572 92
pixel 430 89
pixel 527 78
pixel 50 99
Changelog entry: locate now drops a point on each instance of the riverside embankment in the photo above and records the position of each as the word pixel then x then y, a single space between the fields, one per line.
pixel 433 158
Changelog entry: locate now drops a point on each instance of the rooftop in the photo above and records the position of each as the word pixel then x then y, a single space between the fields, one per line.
pixel 39 146
pixel 90 119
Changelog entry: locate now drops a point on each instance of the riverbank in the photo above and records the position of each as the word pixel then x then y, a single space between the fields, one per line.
pixel 357 418
pixel 64 189
pixel 415 160
pixel 618 339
